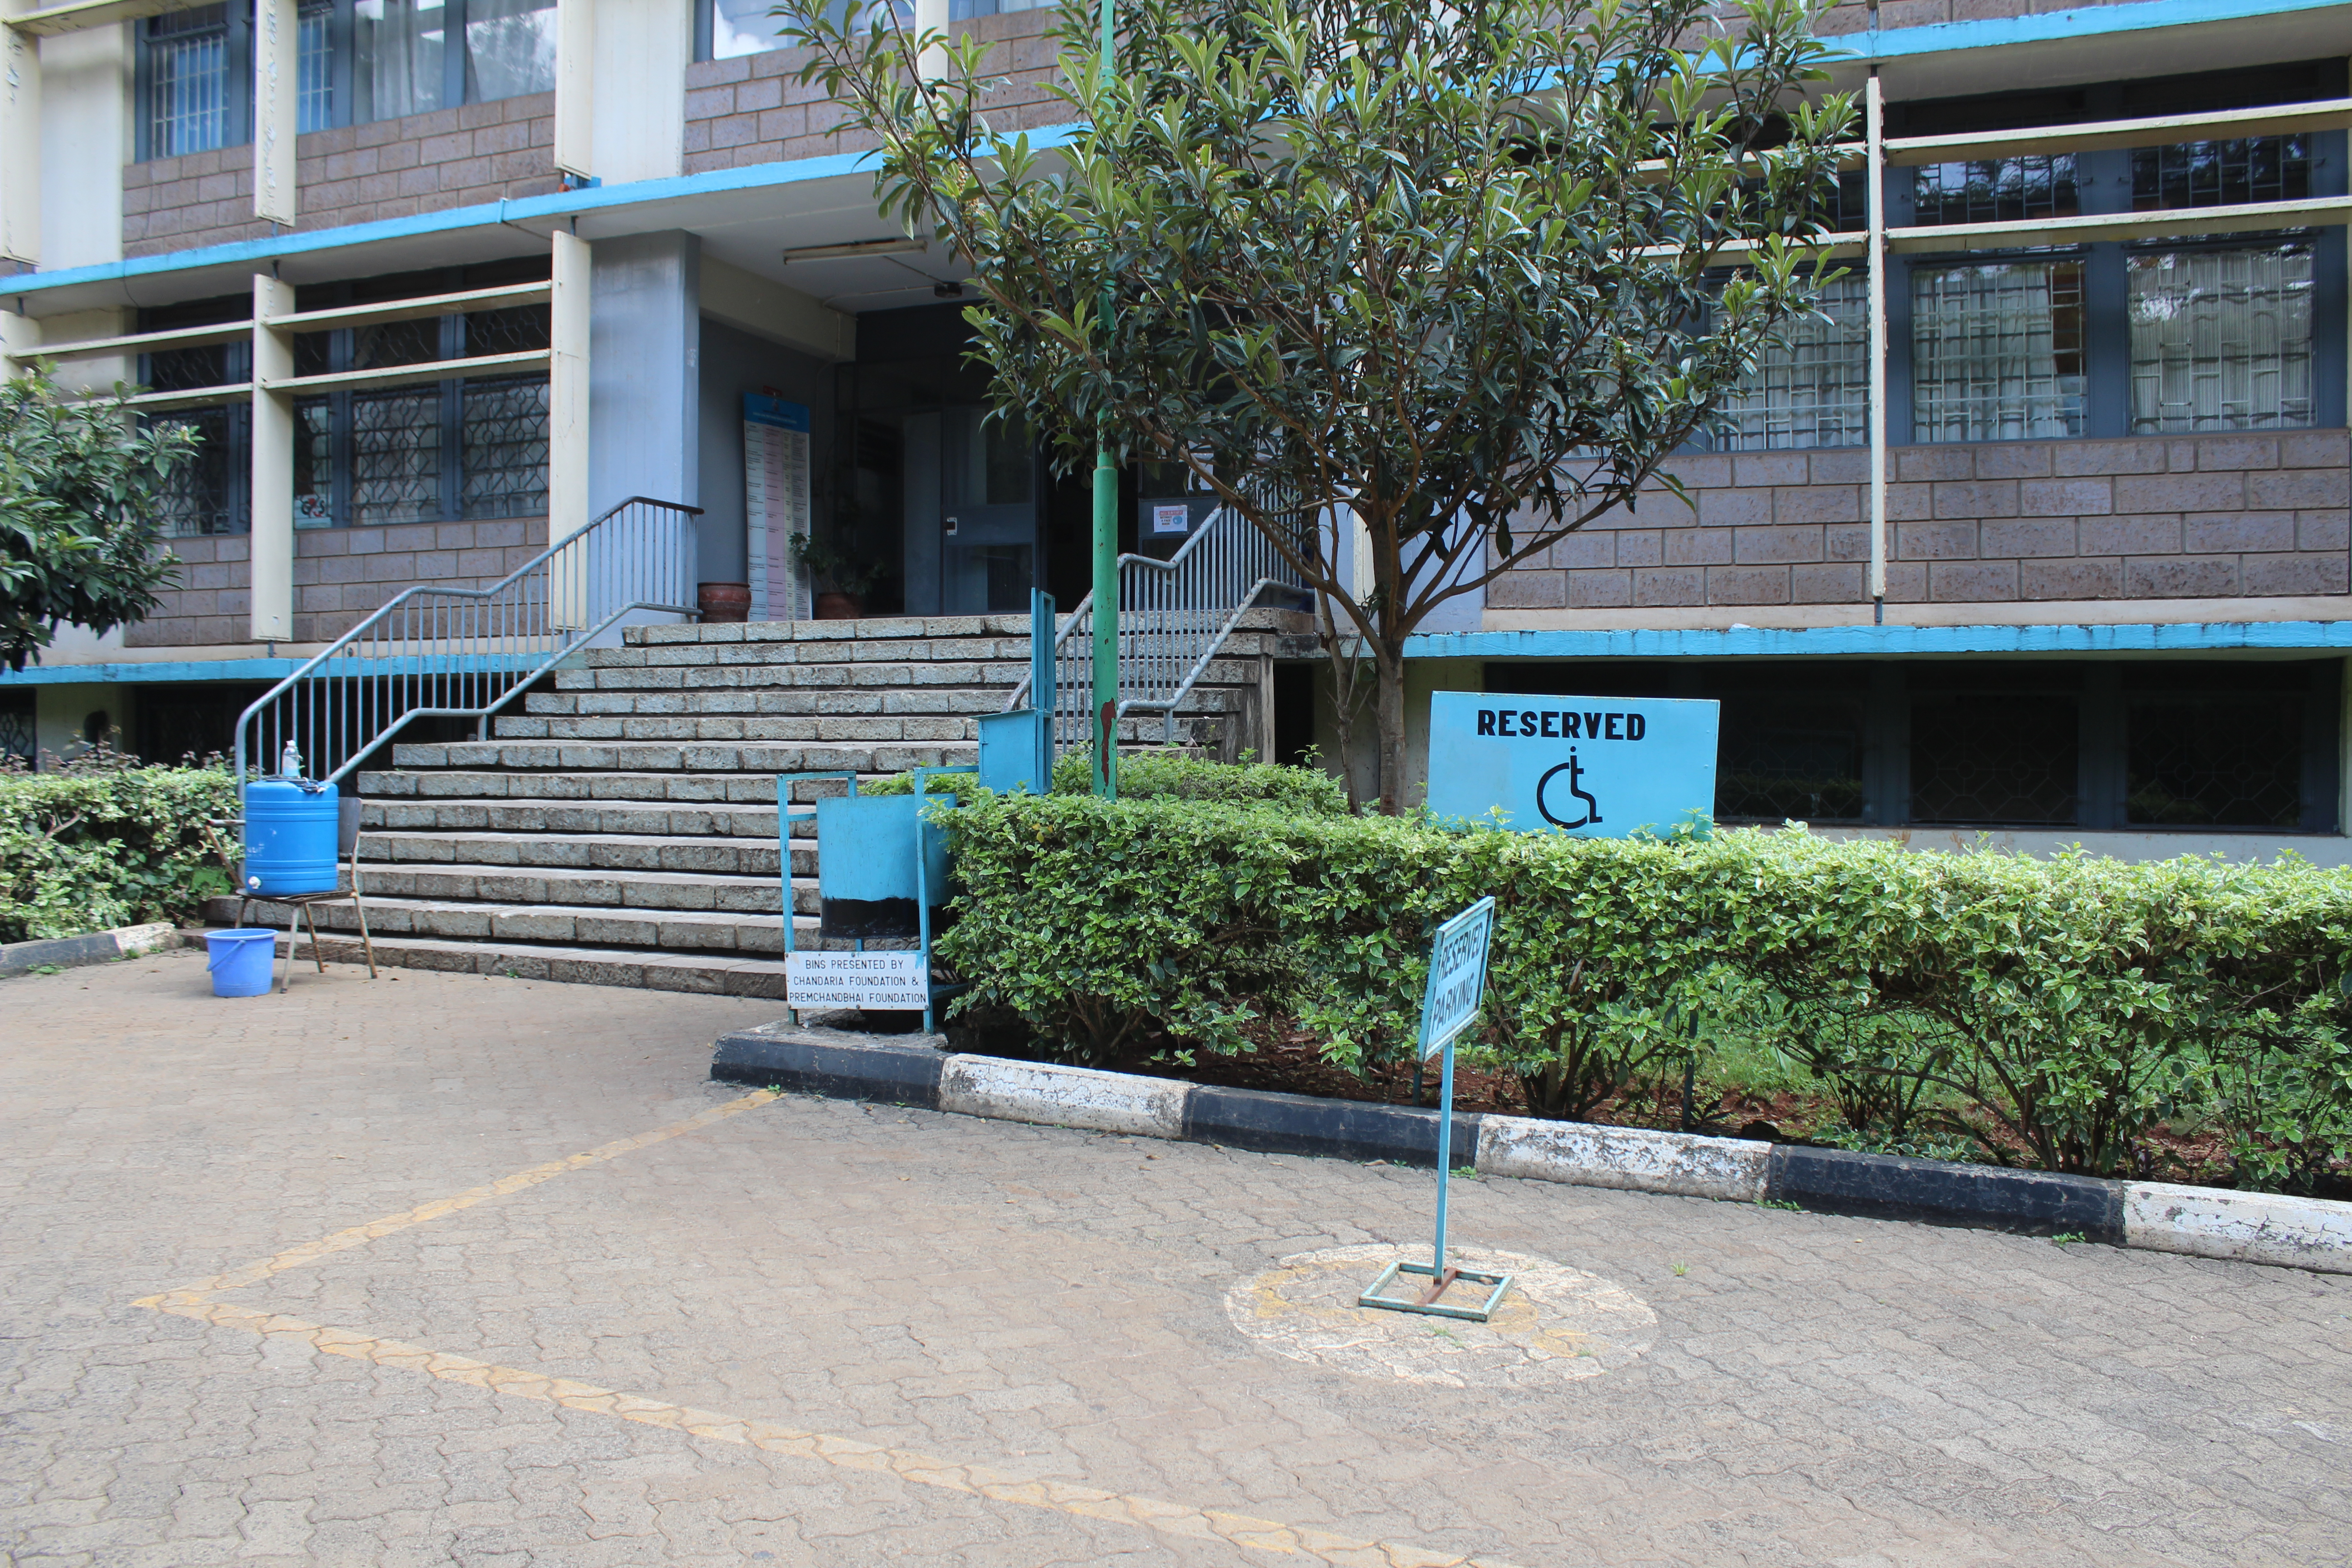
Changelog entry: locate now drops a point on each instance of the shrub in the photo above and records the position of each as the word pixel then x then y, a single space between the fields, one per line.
pixel 1175 776
pixel 2050 1012
pixel 102 846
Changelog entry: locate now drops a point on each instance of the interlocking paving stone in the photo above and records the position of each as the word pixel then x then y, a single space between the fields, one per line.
pixel 1033 1314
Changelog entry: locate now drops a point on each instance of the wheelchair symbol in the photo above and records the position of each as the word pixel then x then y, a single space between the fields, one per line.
pixel 1575 772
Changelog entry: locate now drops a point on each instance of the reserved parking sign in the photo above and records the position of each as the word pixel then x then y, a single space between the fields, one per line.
pixel 1600 767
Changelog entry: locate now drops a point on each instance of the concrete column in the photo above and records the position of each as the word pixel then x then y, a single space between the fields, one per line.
pixel 276 51
pixel 643 370
pixel 18 335
pixel 575 77
pixel 20 141
pixel 272 503
pixel 571 265
pixel 642 49
pixel 85 143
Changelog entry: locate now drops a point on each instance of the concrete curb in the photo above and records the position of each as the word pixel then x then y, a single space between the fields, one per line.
pixel 98 947
pixel 917 1069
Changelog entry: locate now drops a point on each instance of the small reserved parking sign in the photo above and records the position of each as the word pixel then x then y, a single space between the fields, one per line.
pixel 1600 767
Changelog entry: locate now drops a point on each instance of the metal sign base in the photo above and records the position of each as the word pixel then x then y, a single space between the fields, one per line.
pixel 1428 1304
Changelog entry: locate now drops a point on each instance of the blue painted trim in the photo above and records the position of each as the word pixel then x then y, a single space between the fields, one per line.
pixel 2051 26
pixel 272 669
pixel 554 207
pixel 1817 642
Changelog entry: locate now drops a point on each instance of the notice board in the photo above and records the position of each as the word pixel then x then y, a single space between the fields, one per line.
pixel 775 505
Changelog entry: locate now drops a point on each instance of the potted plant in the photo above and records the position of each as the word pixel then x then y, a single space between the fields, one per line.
pixel 846 574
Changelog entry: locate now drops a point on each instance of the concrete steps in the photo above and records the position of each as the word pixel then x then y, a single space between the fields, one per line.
pixel 618 825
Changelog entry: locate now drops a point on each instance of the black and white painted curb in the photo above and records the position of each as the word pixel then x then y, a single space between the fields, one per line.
pixel 98 947
pixel 2207 1222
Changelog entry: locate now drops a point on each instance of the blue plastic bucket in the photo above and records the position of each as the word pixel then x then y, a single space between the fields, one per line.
pixel 241 961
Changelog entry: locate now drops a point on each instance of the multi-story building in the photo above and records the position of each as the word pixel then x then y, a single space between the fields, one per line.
pixel 434 278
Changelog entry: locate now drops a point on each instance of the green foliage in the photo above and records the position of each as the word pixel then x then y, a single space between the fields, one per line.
pixel 2052 1013
pixel 108 846
pixel 82 497
pixel 1454 273
pixel 1172 777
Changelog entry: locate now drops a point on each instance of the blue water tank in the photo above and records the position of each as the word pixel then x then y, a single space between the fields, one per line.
pixel 289 838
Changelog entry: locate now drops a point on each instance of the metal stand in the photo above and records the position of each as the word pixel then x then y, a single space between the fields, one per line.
pixel 1457 980
pixel 303 905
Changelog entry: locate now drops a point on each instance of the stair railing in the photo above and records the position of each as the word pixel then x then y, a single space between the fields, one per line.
pixel 1175 618
pixel 464 653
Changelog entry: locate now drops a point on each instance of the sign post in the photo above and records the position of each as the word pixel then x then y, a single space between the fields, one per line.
pixel 1457 982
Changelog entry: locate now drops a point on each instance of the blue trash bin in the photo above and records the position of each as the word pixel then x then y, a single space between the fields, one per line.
pixel 866 878
pixel 241 961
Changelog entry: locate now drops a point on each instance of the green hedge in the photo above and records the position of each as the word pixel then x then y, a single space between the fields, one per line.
pixel 88 851
pixel 2049 1012
pixel 1178 777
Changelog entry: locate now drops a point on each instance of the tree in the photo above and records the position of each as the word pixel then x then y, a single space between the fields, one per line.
pixel 81 513
pixel 1454 275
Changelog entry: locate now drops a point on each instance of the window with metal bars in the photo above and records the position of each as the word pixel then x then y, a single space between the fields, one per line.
pixel 1812 388
pixel 1996 351
pixel 2221 174
pixel 2003 190
pixel 187 81
pixel 445 450
pixel 314 81
pixel 393 58
pixel 2222 339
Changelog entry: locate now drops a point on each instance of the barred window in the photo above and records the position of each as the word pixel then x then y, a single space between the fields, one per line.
pixel 1996 351
pixel 2001 190
pixel 198 499
pixel 188 91
pixel 2221 174
pixel 1811 389
pixel 396 456
pixel 314 79
pixel 314 462
pixel 505 455
pixel 2221 339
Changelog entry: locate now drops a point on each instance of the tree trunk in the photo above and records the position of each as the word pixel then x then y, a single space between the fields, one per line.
pixel 1390 703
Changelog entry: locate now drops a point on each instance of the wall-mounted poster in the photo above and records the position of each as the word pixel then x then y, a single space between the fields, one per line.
pixel 775 504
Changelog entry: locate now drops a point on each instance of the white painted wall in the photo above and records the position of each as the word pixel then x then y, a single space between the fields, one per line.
pixel 86 83
pixel 642 49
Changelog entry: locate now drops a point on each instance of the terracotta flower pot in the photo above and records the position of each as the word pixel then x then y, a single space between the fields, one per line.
pixel 839 606
pixel 724 601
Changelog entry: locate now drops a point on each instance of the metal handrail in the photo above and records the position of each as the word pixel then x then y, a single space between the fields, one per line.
pixel 1174 618
pixel 464 653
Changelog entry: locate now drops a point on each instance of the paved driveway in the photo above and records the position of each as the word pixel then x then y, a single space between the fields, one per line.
pixel 441 1268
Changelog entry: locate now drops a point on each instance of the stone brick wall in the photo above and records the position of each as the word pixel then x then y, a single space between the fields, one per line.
pixel 340 574
pixel 2204 517
pixel 356 173
pixel 748 110
pixel 1852 16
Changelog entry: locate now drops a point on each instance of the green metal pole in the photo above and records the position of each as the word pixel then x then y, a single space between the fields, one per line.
pixel 1105 558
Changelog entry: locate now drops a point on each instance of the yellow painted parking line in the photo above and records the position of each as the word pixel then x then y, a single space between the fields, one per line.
pixel 1156 1514
pixel 361 1235
pixel 1172 1518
